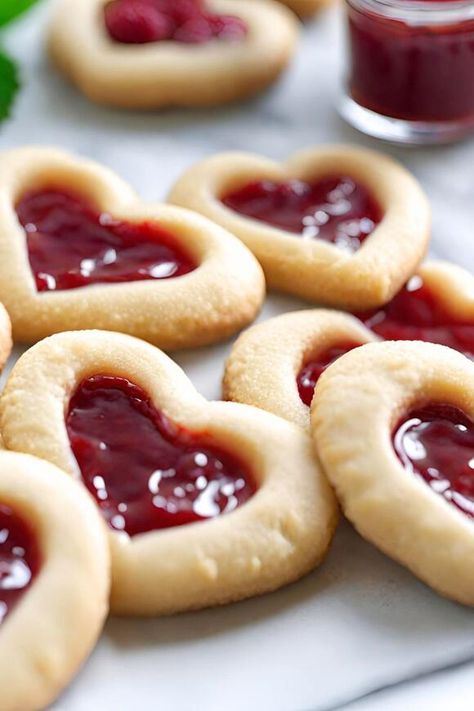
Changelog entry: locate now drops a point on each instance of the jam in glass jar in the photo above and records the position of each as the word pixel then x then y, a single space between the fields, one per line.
pixel 411 69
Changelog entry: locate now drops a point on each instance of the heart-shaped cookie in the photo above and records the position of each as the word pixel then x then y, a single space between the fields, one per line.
pixel 155 53
pixel 79 250
pixel 54 580
pixel 274 365
pixel 436 305
pixel 340 225
pixel 208 502
pixel 393 426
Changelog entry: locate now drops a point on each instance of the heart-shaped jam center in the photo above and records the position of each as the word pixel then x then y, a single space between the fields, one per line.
pixel 71 244
pixel 187 21
pixel 312 370
pixel 415 314
pixel 19 559
pixel 335 209
pixel 437 443
pixel 145 472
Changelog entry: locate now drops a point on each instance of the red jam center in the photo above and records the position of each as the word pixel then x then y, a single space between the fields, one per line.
pixel 334 209
pixel 187 21
pixel 437 443
pixel 415 314
pixel 71 244
pixel 145 472
pixel 310 373
pixel 19 559
pixel 418 72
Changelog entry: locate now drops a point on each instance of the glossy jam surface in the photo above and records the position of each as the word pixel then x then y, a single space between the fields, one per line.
pixel 334 209
pixel 71 244
pixel 312 370
pixel 416 314
pixel 145 472
pixel 416 72
pixel 437 443
pixel 19 559
pixel 186 21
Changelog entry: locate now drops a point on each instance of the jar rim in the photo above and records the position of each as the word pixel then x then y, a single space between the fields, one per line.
pixel 419 12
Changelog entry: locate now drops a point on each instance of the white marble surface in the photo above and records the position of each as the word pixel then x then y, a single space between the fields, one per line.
pixel 361 623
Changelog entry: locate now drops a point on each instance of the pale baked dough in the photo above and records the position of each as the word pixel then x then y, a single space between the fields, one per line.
pixel 452 286
pixel 266 359
pixel 210 303
pixel 359 401
pixel 306 8
pixel 52 629
pixel 6 343
pixel 171 73
pixel 314 269
pixel 281 533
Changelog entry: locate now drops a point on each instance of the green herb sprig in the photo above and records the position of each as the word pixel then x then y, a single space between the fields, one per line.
pixel 9 74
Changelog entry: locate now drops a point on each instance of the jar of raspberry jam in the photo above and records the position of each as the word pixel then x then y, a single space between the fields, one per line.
pixel 411 69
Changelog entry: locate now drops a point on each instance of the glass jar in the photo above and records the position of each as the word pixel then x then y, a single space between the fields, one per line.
pixel 411 69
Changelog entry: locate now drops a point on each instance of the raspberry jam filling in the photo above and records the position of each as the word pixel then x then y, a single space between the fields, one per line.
pixel 145 472
pixel 186 21
pixel 19 559
pixel 335 209
pixel 71 244
pixel 312 370
pixel 437 443
pixel 416 314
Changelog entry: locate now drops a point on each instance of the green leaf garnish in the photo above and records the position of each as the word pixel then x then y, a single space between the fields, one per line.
pixel 9 84
pixel 9 9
